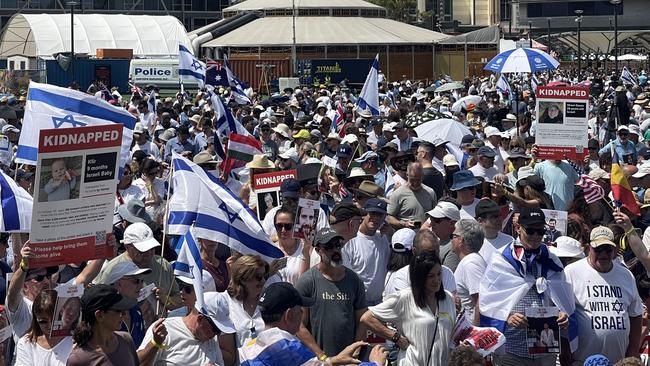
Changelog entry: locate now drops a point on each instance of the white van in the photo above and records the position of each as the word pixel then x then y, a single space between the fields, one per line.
pixel 161 72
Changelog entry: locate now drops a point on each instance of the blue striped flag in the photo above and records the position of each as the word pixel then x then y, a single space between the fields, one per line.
pixel 534 83
pixel 225 123
pixel 504 87
pixel 236 86
pixel 16 213
pixel 627 77
pixel 151 102
pixel 189 264
pixel 217 214
pixel 50 106
pixel 189 67
pixel 369 97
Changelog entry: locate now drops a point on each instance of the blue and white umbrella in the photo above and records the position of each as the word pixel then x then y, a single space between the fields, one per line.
pixel 522 60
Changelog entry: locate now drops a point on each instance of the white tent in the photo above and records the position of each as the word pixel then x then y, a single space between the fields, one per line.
pixel 43 35
pixel 629 57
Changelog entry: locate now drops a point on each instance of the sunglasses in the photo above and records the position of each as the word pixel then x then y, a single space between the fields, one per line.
pixel 338 244
pixel 604 248
pixel 436 220
pixel 623 133
pixel 286 227
pixel 533 231
pixel 259 277
pixel 40 278
pixel 265 130
pixel 188 289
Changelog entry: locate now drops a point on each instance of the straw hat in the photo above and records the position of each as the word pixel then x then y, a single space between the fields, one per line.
pixel 260 161
pixel 283 130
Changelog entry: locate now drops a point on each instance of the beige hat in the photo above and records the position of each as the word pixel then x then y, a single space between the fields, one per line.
pixel 598 173
pixel 450 160
pixel 283 130
pixel 204 157
pixel 357 172
pixel 333 136
pixel 646 199
pixel 601 235
pixel 365 113
pixel 260 161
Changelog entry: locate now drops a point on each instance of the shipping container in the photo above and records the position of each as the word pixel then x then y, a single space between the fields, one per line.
pixel 111 72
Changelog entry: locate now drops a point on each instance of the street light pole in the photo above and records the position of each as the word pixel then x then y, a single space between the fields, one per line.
pixel 615 3
pixel 548 35
pixel 72 58
pixel 579 21
pixel 294 57
pixel 530 34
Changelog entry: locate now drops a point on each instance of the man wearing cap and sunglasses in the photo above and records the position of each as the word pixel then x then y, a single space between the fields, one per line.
pixel 523 275
pixel 339 299
pixel 608 305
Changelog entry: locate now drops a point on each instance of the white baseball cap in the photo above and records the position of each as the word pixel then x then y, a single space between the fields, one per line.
pixel 140 236
pixel 491 131
pixel 125 269
pixel 445 210
pixel 644 170
pixel 207 281
pixel 403 237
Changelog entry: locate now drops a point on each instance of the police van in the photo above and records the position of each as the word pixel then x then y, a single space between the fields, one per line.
pixel 160 72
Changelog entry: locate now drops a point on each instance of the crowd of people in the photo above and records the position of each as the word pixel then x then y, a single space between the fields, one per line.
pixel 411 234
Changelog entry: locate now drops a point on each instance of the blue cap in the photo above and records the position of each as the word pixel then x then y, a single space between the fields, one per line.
pixel 464 179
pixel 290 188
pixel 344 151
pixel 376 205
pixel 486 151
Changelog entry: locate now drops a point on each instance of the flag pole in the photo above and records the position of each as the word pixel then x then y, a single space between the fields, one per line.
pixel 165 218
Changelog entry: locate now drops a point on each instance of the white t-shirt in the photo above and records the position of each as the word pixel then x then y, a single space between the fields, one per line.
pixel 30 353
pixel 479 171
pixel 420 326
pixel 401 280
pixel 183 349
pixel 148 121
pixel 491 246
pixel 21 319
pixel 148 148
pixel 469 211
pixel 368 256
pixel 604 304
pixel 291 272
pixel 247 326
pixel 468 278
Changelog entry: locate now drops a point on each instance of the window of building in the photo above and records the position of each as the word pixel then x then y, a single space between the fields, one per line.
pixel 567 9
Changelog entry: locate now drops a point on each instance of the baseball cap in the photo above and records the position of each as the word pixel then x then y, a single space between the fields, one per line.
pixel 644 170
pixel 402 240
pixel 280 296
pixel 450 160
pixel 103 297
pixel 215 310
pixel 140 236
pixel 491 131
pixel 623 128
pixel 486 151
pixel 567 247
pixel 206 280
pixel 445 210
pixel 345 211
pixel 344 151
pixel 601 235
pixel 376 205
pixel 531 216
pixel 302 134
pixel 290 153
pixel 139 128
pixel 368 155
pixel 125 269
pixel 325 235
pixel 486 206
pixel 290 188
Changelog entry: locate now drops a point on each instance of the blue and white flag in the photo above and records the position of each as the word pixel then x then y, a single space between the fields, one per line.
pixel 225 123
pixel 151 102
pixel 504 87
pixel 50 106
pixel 189 264
pixel 389 185
pixel 369 97
pixel 505 283
pixel 215 212
pixel 236 86
pixel 189 67
pixel 16 204
pixel 534 83
pixel 627 77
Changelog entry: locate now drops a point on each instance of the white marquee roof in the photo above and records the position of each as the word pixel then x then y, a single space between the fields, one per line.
pixel 301 4
pixel 43 35
pixel 320 31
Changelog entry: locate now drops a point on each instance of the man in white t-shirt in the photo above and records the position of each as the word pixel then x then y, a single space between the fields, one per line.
pixel 467 240
pixel 465 187
pixel 367 253
pixel 608 306
pixel 425 242
pixel 485 167
pixel 493 137
pixel 488 215
pixel 143 144
pixel 147 118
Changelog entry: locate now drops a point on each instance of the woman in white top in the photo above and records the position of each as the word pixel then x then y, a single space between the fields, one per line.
pixel 37 347
pixel 247 278
pixel 152 186
pixel 297 251
pixel 423 314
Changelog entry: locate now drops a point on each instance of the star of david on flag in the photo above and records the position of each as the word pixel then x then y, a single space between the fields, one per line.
pixel 58 122
pixel 189 67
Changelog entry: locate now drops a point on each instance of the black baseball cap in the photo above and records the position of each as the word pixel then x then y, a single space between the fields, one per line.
pixel 290 188
pixel 280 296
pixel 103 297
pixel 531 216
pixel 325 235
pixel 345 211
pixel 486 206
pixel 376 205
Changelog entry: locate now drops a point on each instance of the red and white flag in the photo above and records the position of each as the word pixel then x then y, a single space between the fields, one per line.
pixel 592 190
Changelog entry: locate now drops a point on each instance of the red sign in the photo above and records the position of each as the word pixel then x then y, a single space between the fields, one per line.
pixel 66 139
pixel 272 180
pixel 71 251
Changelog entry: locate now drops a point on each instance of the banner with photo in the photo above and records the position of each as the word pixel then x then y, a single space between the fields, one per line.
pixel 562 116
pixel 304 225
pixel 267 189
pixel 74 194
pixel 67 310
pixel 556 225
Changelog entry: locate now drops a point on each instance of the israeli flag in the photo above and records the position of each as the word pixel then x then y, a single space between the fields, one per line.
pixel 369 97
pixel 225 123
pixel 189 67
pixel 50 106
pixel 389 183
pixel 236 86
pixel 534 83
pixel 151 102
pixel 627 77
pixel 217 214
pixel 189 264
pixel 503 87
pixel 16 205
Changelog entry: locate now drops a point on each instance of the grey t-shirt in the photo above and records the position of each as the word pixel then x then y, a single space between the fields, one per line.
pixel 124 354
pixel 406 204
pixel 448 257
pixel 331 318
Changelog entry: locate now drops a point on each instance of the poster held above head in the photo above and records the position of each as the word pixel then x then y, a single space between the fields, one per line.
pixel 74 194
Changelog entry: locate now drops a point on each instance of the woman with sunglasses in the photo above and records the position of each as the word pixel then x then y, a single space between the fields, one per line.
pixel 97 339
pixel 37 347
pixel 296 251
pixel 423 314
pixel 152 186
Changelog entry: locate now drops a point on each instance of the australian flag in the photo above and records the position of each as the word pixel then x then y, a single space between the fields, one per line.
pixel 215 74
